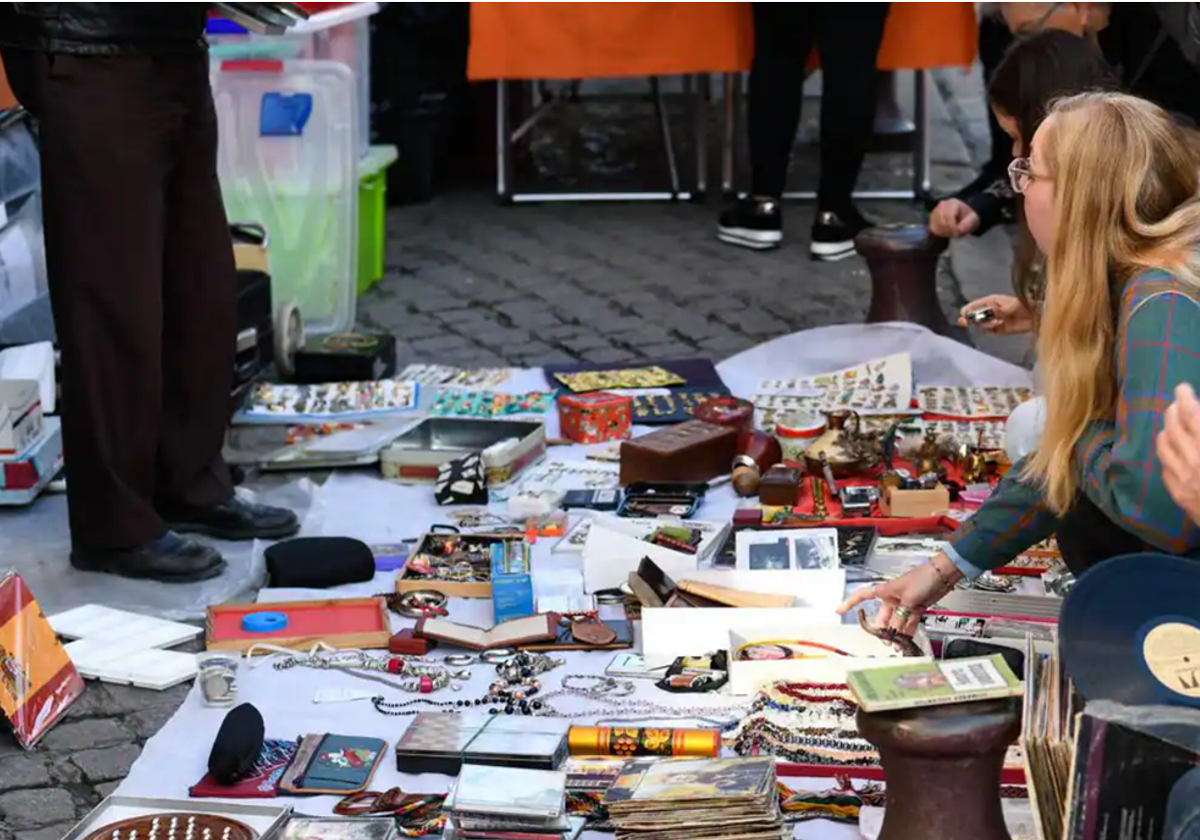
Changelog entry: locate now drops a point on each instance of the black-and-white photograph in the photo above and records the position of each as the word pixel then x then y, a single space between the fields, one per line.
pixel 815 549
pixel 770 556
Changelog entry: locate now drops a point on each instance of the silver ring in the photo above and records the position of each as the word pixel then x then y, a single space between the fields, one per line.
pixel 903 613
pixel 460 659
pixel 491 657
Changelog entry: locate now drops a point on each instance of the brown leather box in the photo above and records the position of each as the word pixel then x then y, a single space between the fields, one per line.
pixel 780 486
pixel 690 451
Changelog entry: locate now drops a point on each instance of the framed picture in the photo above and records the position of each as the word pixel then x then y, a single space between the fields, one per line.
pixel 787 550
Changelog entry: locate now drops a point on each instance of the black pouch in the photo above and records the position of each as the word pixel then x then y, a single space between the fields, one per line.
pixel 319 562
pixel 238 744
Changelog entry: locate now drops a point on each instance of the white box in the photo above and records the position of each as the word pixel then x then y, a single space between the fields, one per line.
pixel 671 633
pixel 20 416
pixel 865 651
pixel 616 546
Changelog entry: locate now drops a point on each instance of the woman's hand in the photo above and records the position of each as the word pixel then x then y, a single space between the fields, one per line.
pixel 906 598
pixel 1011 317
pixel 953 218
pixel 1178 447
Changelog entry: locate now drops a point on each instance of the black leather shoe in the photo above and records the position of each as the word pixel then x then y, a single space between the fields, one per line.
pixel 237 519
pixel 169 559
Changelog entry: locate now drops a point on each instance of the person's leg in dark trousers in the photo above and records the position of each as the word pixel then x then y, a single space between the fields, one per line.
pixel 783 38
pixel 198 352
pixel 107 130
pixel 848 37
pixel 193 491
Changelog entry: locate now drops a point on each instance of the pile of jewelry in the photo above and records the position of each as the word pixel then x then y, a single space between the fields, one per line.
pixel 452 558
pixel 804 723
pixel 517 683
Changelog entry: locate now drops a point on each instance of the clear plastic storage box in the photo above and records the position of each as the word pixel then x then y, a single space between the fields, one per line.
pixel 341 34
pixel 288 160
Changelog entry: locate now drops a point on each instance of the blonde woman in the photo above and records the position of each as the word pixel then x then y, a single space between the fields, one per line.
pixel 1110 195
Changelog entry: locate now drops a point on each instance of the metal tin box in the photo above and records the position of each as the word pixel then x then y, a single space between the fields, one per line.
pixel 507 446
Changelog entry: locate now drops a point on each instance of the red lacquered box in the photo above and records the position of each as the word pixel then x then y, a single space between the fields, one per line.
pixel 594 418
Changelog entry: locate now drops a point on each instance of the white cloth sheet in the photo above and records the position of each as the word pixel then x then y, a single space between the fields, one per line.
pixel 378 512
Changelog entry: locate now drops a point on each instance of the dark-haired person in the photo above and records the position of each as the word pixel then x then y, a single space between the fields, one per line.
pixel 848 37
pixel 1037 69
pixel 141 276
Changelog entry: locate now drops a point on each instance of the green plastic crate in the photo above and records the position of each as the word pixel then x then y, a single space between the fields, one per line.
pixel 372 214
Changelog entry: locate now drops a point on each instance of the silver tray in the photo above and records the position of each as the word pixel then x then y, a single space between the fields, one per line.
pixel 267 820
pixel 456 434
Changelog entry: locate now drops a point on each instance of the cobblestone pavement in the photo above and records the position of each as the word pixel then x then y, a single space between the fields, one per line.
pixel 472 283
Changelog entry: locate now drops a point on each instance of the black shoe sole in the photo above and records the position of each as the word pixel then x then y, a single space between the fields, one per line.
pixel 100 567
pixel 234 535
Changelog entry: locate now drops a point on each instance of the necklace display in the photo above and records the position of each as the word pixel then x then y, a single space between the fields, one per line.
pixel 612 693
pixel 512 693
pixel 424 677
pixel 806 723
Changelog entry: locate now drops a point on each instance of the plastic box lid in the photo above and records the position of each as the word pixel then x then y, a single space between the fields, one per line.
pixel 288 159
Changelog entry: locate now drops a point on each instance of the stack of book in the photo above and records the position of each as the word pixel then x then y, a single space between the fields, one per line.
pixel 687 799
pixel 506 803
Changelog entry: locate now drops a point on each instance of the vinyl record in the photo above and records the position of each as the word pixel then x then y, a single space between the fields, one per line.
pixel 1130 631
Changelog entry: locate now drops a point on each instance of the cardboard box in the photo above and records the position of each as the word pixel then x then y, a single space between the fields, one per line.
pixel 20 417
pixel 865 651
pixel 512 581
pixel 914 504
pixel 615 547
pixel 23 479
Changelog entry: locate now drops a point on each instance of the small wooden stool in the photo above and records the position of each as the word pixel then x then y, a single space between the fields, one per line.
pixel 903 261
pixel 943 767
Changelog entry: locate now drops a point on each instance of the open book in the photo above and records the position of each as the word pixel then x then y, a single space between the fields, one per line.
pixel 522 631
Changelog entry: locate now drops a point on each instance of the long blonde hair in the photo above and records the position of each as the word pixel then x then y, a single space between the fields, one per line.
pixel 1125 180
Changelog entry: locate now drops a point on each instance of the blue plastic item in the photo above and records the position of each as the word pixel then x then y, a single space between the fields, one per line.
pixel 264 622
pixel 284 114
pixel 224 26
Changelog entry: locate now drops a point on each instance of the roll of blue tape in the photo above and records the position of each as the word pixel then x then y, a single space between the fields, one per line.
pixel 264 622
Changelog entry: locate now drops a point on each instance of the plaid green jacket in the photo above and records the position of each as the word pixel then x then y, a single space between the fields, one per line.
pixel 1157 348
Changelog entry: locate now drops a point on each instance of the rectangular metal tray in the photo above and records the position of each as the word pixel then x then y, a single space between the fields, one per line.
pixel 267 820
pixel 453 434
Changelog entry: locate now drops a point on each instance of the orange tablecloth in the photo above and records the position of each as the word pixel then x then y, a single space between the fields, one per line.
pixel 7 100
pixel 609 40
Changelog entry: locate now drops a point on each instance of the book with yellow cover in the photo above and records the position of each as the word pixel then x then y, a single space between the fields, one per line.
pixel 909 684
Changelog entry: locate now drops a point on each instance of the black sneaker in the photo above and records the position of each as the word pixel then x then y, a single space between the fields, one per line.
pixel 752 224
pixel 833 234
pixel 235 520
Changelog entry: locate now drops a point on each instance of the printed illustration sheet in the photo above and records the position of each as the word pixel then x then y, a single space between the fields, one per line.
pixel 881 385
pixel 988 402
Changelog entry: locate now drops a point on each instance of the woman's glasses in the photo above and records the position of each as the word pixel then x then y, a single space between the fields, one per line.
pixel 1021 174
